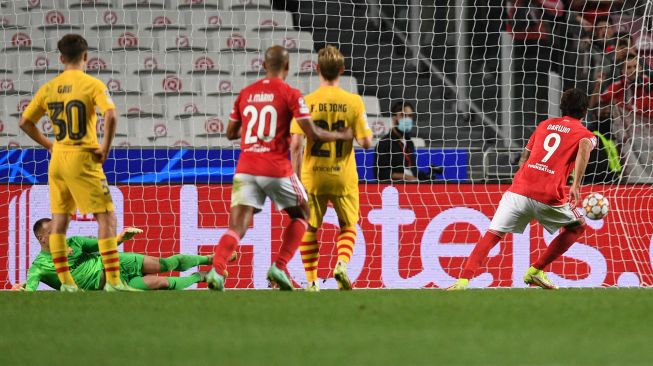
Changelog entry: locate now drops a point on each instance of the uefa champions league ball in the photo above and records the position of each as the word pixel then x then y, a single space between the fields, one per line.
pixel 595 206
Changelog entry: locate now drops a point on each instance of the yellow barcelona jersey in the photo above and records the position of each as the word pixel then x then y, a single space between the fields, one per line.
pixel 330 167
pixel 70 100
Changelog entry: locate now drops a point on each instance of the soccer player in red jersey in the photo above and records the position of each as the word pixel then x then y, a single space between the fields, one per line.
pixel 539 190
pixel 261 119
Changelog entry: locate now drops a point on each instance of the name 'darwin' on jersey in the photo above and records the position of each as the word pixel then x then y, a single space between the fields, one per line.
pixel 558 128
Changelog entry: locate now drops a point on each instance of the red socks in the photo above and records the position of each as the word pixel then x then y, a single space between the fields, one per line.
pixel 480 252
pixel 228 243
pixel 559 246
pixel 291 239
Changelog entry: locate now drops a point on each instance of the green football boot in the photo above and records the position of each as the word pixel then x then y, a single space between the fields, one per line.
pixel 537 277
pixel 340 274
pixel 313 287
pixel 215 281
pixel 460 285
pixel 279 278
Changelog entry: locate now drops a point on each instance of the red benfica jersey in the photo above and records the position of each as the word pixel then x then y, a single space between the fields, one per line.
pixel 266 109
pixel 553 147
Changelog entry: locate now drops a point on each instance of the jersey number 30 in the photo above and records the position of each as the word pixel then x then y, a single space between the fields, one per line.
pixel 255 117
pixel 75 111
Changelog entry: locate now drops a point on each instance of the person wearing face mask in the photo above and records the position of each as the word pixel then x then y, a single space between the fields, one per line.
pixel 395 152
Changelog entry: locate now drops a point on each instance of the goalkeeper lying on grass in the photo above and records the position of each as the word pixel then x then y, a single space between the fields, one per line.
pixel 138 270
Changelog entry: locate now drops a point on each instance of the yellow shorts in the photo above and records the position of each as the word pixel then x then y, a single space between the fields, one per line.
pixel 346 208
pixel 77 181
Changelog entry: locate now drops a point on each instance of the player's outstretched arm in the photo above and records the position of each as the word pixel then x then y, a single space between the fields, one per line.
pixel 233 130
pixel 317 134
pixel 296 152
pixel 585 146
pixel 30 129
pixel 110 125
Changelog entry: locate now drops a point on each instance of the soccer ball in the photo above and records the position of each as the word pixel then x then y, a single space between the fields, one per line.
pixel 595 206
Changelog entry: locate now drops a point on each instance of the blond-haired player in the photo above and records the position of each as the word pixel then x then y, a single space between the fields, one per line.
pixel 75 174
pixel 328 169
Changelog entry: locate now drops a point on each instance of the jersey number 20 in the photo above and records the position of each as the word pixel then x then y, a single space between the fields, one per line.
pixel 255 117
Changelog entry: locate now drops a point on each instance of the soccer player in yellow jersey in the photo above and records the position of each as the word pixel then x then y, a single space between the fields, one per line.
pixel 328 169
pixel 75 174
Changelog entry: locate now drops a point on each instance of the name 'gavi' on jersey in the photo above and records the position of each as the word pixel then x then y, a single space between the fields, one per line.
pixel 330 167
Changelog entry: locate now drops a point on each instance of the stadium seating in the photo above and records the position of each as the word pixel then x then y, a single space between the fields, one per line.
pixel 170 60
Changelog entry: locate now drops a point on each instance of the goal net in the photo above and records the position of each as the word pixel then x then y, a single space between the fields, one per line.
pixel 476 76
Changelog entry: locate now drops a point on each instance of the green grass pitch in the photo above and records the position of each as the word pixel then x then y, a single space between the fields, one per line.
pixel 365 327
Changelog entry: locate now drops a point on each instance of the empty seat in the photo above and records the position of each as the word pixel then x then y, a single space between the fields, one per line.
pixel 15 105
pixel 85 4
pixel 35 5
pixel 246 63
pixel 265 19
pixel 194 4
pixel 101 18
pixel 6 63
pixel 181 40
pixel 204 62
pixel 139 106
pixel 205 126
pixel 155 128
pixel 119 39
pixel 222 84
pixel 184 106
pixel 372 105
pixel 291 40
pixel 10 18
pixel 50 18
pixel 33 62
pixel 122 127
pixel 148 62
pixel 305 84
pixel 233 41
pixel 139 4
pixel 11 84
pixel 303 63
pixel 226 103
pixel 156 19
pixel 169 84
pixel 8 126
pixel 119 84
pixel 99 62
pixel 246 4
pixel 201 19
pixel 12 39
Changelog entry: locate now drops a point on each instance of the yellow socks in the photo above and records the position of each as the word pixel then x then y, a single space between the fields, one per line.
pixel 345 244
pixel 109 251
pixel 59 251
pixel 310 252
